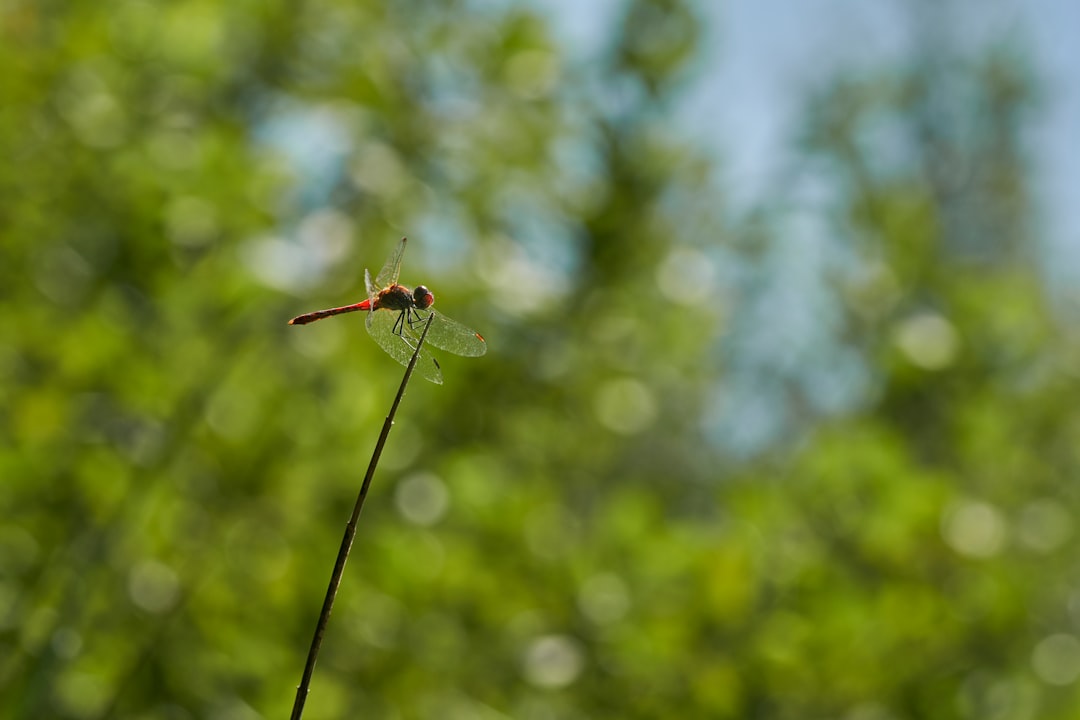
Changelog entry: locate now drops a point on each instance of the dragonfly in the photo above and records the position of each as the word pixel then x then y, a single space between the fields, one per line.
pixel 396 316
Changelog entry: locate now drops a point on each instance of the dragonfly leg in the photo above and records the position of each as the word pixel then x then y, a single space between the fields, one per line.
pixel 415 319
pixel 399 328
pixel 399 325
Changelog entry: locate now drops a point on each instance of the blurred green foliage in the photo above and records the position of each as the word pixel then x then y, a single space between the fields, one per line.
pixel 559 531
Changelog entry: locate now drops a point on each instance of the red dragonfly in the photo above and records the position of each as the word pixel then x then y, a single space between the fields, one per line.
pixel 396 316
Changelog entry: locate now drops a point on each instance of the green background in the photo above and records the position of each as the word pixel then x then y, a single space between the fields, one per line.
pixel 586 522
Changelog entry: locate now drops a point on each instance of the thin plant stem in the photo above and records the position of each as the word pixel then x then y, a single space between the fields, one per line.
pixel 350 533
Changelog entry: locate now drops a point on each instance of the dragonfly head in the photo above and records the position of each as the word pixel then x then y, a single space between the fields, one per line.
pixel 423 298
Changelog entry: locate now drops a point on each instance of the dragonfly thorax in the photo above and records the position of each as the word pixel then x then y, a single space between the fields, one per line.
pixel 399 297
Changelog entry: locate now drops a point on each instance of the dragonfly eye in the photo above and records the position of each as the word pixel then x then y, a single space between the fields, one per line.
pixel 423 297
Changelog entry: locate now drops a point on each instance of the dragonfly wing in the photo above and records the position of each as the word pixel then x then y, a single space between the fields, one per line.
pixel 381 326
pixel 389 274
pixel 452 336
pixel 372 291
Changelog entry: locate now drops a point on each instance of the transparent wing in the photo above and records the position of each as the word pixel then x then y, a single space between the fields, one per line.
pixel 450 335
pixel 381 326
pixel 372 291
pixel 389 274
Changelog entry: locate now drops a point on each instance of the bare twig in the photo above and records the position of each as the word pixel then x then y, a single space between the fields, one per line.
pixel 350 533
